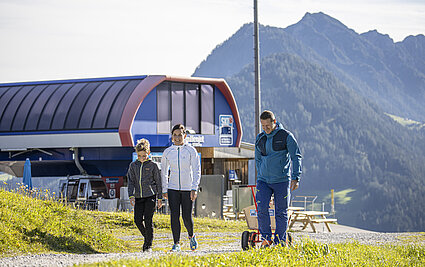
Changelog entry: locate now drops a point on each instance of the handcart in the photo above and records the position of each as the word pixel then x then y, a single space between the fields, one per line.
pixel 251 239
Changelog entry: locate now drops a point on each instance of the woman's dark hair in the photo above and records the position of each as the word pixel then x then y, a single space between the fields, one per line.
pixel 178 126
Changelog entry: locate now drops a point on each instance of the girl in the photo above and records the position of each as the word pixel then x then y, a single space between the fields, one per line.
pixel 181 185
pixel 144 185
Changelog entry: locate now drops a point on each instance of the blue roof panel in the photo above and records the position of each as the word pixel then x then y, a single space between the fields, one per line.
pixel 89 111
pixel 83 104
pixel 50 109
pixel 10 108
pixel 79 104
pixel 23 110
pixel 62 109
pixel 106 103
pixel 115 113
pixel 5 100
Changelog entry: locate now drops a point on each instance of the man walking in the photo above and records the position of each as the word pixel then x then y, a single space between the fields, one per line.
pixel 276 149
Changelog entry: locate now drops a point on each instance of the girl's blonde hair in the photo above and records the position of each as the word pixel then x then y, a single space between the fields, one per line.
pixel 143 145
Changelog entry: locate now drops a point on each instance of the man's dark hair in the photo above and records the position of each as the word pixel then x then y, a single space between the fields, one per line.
pixel 267 114
pixel 178 126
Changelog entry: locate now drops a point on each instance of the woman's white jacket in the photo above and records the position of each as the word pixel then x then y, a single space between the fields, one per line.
pixel 180 168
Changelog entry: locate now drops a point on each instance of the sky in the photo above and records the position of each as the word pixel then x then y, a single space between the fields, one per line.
pixel 67 39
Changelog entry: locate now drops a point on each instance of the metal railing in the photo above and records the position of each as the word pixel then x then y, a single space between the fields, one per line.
pixel 304 200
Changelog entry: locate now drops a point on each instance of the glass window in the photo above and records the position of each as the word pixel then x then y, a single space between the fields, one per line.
pixel 72 190
pixel 98 189
pixel 82 190
pixel 192 107
pixel 177 103
pixel 186 103
pixel 164 108
pixel 207 109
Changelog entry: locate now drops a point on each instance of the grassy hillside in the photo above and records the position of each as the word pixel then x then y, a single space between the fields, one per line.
pixel 29 225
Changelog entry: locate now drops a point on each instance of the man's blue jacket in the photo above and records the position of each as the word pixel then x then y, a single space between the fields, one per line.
pixel 274 153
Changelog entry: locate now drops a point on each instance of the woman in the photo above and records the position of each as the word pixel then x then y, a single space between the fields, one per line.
pixel 181 174
pixel 144 185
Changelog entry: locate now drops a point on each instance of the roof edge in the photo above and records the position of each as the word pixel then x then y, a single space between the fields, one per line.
pixel 119 78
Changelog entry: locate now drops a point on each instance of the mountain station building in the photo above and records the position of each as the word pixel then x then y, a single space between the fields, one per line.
pixel 90 126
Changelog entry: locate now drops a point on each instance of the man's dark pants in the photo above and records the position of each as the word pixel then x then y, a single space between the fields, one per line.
pixel 281 192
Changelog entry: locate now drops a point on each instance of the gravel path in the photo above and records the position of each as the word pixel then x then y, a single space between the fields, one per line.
pixel 209 243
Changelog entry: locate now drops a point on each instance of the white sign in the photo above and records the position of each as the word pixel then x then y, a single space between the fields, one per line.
pixel 226 130
pixel 195 140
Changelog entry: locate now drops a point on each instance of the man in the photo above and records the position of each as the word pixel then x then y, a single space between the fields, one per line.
pixel 275 151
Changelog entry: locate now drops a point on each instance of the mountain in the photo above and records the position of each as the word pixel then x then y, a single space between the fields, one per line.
pixel 390 74
pixel 317 77
pixel 347 143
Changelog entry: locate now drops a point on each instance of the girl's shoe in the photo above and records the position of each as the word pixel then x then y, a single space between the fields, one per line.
pixel 175 248
pixel 193 243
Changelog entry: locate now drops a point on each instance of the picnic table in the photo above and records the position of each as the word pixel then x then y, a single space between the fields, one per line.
pixel 310 217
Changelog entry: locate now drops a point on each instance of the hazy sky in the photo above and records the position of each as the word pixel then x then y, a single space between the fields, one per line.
pixel 63 39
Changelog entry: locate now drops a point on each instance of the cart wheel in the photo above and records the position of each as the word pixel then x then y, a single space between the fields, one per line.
pixel 252 239
pixel 289 239
pixel 245 239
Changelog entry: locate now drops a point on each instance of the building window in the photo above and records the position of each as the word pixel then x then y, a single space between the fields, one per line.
pixel 192 107
pixel 177 103
pixel 187 103
pixel 164 108
pixel 207 109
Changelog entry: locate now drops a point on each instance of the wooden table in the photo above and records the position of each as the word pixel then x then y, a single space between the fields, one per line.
pixel 309 217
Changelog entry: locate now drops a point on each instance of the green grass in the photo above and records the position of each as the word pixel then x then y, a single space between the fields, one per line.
pixel 32 225
pixel 305 253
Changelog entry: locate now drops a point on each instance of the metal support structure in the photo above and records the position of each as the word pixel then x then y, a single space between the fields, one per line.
pixel 77 161
pixel 257 71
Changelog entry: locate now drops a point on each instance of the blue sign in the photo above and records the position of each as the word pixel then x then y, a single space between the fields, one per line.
pixel 232 175
pixel 253 213
pixel 226 130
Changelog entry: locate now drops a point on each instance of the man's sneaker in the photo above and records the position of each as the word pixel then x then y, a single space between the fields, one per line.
pixel 266 243
pixel 175 248
pixel 193 243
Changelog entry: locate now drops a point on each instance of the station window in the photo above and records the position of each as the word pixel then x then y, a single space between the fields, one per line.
pixel 187 103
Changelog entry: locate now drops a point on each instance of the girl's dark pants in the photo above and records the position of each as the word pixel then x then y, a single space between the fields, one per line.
pixel 177 199
pixel 143 213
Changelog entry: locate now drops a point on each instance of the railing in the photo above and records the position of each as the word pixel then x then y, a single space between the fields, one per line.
pixel 304 200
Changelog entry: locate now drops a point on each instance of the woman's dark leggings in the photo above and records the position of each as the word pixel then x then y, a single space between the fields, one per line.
pixel 176 199
pixel 143 213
